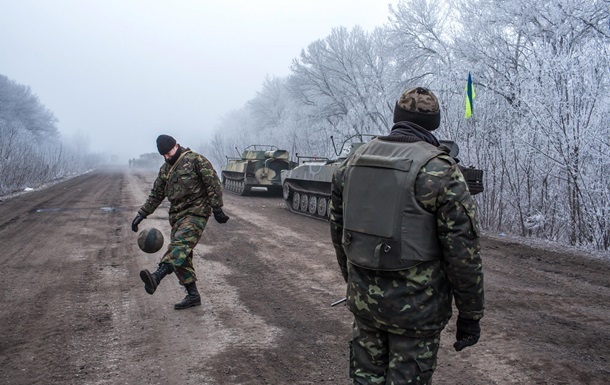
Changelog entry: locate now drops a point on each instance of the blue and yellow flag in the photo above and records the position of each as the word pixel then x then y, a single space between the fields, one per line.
pixel 469 97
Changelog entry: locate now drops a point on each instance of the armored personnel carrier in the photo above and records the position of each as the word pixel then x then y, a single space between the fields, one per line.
pixel 306 187
pixel 260 165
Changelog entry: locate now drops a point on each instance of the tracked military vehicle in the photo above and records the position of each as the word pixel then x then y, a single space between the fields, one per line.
pixel 306 187
pixel 260 165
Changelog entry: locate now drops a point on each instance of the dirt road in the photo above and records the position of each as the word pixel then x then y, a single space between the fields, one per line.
pixel 74 311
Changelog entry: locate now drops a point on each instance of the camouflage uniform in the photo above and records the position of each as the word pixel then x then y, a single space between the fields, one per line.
pixel 193 189
pixel 399 314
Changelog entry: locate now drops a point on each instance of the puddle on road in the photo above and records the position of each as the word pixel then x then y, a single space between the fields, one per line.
pixel 106 209
pixel 110 209
pixel 47 210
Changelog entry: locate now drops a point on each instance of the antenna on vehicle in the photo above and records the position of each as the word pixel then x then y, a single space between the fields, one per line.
pixel 238 153
pixel 332 139
pixel 360 136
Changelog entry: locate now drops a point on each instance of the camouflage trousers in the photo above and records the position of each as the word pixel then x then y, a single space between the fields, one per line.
pixel 185 235
pixel 378 357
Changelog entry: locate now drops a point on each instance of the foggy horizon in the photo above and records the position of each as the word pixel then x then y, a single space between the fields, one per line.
pixel 120 73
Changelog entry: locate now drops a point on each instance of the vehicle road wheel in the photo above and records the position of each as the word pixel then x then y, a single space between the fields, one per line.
pixel 321 207
pixel 296 201
pixel 286 191
pixel 313 204
pixel 304 202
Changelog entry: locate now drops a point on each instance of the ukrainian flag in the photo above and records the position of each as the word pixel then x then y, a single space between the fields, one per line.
pixel 469 97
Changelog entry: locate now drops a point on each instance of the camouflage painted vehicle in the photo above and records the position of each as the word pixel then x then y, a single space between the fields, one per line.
pixel 306 188
pixel 260 165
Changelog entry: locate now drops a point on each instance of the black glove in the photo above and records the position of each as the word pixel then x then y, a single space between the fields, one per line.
pixel 134 225
pixel 467 333
pixel 220 216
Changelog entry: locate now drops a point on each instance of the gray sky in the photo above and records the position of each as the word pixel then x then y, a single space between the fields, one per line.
pixel 120 72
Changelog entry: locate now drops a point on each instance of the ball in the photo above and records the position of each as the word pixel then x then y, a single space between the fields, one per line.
pixel 150 240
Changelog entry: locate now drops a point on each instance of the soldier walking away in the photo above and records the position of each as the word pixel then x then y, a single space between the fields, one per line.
pixel 192 187
pixel 406 236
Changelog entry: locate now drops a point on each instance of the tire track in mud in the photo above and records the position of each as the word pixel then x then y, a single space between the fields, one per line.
pixel 285 277
pixel 51 281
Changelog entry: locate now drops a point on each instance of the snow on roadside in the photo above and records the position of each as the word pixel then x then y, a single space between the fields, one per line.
pixel 543 244
pixel 4 198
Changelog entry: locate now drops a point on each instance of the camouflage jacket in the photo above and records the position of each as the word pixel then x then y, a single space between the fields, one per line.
pixel 192 188
pixel 417 301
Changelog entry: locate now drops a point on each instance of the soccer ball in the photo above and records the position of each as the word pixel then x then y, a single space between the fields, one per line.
pixel 150 240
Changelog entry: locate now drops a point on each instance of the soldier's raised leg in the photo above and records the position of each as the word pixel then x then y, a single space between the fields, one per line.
pixel 186 234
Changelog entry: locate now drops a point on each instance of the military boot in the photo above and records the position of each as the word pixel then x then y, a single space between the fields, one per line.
pixel 192 297
pixel 152 280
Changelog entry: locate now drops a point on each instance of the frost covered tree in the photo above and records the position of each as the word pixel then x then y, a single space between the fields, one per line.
pixel 31 150
pixel 540 128
pixel 542 112
pixel 343 80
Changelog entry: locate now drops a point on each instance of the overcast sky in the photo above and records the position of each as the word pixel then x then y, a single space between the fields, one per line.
pixel 122 72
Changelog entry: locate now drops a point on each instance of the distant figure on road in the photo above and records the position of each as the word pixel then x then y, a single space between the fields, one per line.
pixel 406 235
pixel 192 187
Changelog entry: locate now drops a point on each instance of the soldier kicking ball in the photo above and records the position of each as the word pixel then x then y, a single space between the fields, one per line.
pixel 192 187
